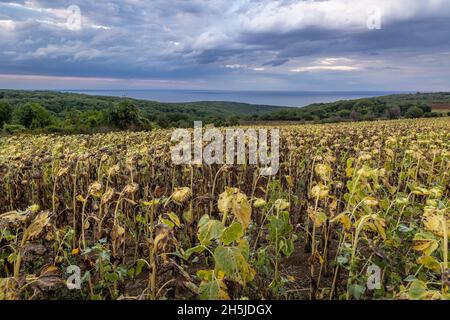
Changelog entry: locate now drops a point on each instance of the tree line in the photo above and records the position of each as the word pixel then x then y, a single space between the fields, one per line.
pixel 66 113
pixel 123 115
pixel 353 110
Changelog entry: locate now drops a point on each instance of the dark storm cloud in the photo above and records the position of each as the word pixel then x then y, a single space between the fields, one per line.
pixel 277 42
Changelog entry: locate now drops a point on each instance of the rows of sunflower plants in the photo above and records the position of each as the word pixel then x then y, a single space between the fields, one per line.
pixel 114 213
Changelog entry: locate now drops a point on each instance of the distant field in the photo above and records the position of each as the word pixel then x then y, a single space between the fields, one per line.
pixel 441 107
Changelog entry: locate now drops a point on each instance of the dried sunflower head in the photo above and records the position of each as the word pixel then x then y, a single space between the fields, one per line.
pixel 131 188
pixel 106 197
pixel 95 189
pixel 320 191
pixel 180 195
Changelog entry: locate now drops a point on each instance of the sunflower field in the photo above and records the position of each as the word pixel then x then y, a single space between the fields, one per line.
pixel 356 211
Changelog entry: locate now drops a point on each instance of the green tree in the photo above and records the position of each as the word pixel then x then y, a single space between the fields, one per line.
pixel 233 121
pixel 414 112
pixel 5 113
pixel 425 107
pixel 343 113
pixel 125 115
pixel 33 116
pixel 92 118
pixel 163 121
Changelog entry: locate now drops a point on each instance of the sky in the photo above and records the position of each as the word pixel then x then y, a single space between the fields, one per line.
pixel 304 45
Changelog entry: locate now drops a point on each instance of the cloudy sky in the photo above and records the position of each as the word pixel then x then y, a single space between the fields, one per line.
pixel 226 44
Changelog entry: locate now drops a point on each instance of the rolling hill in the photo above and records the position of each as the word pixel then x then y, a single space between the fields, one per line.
pixel 81 113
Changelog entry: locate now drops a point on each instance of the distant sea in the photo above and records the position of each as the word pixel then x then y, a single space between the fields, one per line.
pixel 275 98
